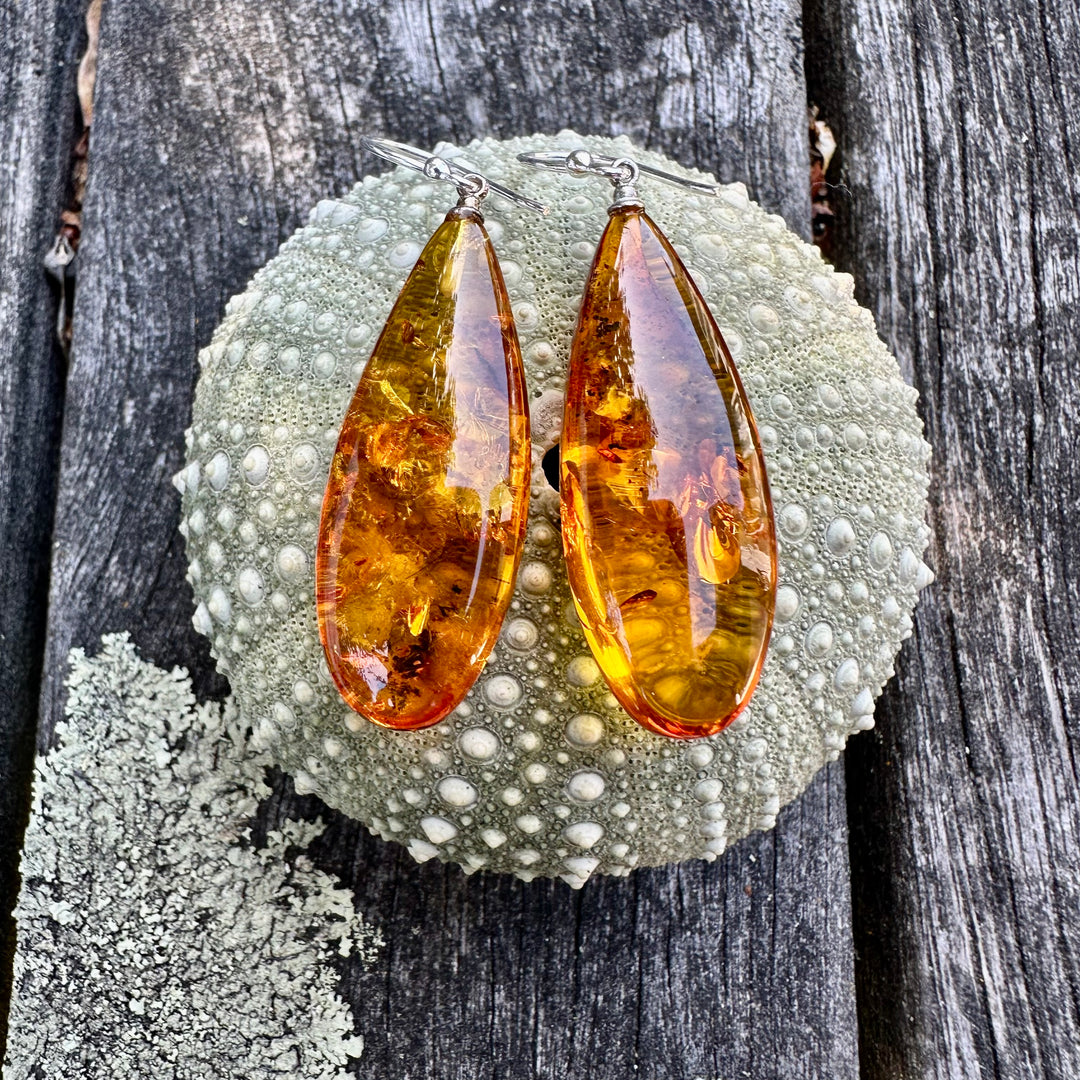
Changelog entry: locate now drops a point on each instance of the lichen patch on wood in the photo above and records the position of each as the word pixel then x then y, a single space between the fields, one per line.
pixel 176 947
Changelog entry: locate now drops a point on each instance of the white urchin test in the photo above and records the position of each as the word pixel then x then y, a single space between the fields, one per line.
pixel 539 771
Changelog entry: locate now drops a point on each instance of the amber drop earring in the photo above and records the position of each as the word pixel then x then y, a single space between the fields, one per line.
pixel 424 514
pixel 667 522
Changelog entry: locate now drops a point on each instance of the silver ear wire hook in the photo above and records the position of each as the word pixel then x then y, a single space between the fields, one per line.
pixel 472 187
pixel 622 172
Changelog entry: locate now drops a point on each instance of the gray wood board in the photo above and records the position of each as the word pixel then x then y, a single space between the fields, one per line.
pixel 216 127
pixel 959 129
pixel 40 43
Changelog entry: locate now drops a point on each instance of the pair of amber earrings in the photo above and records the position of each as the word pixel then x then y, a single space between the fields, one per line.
pixel 667 523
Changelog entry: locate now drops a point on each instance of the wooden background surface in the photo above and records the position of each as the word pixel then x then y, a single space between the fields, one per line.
pixel 921 921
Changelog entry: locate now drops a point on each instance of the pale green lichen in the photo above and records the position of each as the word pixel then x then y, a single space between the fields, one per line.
pixel 153 939
pixel 539 771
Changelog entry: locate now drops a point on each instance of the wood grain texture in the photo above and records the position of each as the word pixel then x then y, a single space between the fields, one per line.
pixel 959 129
pixel 39 43
pixel 216 127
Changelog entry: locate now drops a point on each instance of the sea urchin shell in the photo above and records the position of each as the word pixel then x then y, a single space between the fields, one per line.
pixel 538 771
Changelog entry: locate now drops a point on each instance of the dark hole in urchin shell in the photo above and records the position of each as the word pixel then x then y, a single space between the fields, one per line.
pixel 550 465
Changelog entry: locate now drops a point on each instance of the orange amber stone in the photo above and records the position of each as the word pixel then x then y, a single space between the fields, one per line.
pixel 424 514
pixel 667 522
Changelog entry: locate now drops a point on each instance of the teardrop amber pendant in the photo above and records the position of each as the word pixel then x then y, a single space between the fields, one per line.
pixel 424 515
pixel 667 522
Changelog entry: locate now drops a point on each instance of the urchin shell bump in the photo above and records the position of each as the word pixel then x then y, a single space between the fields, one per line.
pixel 539 771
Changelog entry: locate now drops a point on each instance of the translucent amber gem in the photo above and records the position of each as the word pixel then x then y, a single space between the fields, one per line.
pixel 424 514
pixel 667 522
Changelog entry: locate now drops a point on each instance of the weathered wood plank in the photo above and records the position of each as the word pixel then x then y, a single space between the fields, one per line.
pixel 216 127
pixel 958 125
pixel 39 43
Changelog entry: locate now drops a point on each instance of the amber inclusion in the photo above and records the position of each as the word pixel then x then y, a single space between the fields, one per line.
pixel 667 521
pixel 424 514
